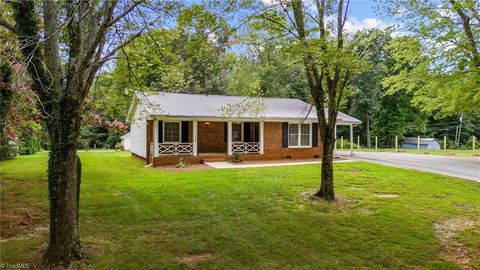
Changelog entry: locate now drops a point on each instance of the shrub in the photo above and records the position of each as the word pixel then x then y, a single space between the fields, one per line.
pixel 237 158
pixel 29 145
pixel 8 151
pixel 182 163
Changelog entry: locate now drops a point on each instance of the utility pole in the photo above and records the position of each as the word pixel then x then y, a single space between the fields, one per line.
pixel 396 143
pixel 473 144
pixel 460 129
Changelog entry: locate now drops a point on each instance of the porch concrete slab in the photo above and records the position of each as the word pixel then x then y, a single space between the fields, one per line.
pixel 228 165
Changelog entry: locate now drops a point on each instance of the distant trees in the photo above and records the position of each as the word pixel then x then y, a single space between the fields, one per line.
pixel 430 76
pixel 197 56
pixel 366 90
pixel 443 65
pixel 187 58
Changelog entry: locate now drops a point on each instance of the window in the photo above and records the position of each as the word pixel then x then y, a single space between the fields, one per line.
pixel 237 132
pixel 171 131
pixel 299 135
pixel 293 135
pixel 305 135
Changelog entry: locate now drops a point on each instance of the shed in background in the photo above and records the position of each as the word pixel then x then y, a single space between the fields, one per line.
pixel 425 143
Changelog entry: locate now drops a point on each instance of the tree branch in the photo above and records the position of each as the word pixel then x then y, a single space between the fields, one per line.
pixel 119 46
pixel 9 26
pixel 124 13
pixel 468 32
pixel 279 24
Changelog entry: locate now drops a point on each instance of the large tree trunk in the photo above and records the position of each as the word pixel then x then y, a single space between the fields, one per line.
pixel 326 187
pixel 64 174
pixel 62 88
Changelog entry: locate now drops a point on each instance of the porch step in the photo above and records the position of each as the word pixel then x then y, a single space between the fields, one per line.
pixel 215 159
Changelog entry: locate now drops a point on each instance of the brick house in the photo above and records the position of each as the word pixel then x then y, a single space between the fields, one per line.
pixel 166 126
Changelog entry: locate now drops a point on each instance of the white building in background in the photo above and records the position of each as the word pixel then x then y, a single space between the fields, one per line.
pixel 126 141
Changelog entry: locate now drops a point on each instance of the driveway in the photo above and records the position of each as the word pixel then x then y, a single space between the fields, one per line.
pixel 462 167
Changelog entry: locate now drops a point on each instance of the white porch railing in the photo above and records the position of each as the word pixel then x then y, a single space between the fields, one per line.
pixel 246 147
pixel 175 149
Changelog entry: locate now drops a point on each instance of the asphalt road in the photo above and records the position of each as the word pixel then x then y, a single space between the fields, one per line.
pixel 462 167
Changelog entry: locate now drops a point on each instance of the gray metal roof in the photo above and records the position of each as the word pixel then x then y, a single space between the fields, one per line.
pixel 413 140
pixel 216 106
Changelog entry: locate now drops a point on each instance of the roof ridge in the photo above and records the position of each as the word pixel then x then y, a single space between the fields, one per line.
pixel 217 95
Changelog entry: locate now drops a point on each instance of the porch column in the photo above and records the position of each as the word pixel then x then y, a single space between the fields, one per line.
pixel 351 139
pixel 229 138
pixel 194 138
pixel 261 137
pixel 155 138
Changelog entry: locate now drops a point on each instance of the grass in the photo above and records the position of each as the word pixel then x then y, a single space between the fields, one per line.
pixel 448 152
pixel 144 218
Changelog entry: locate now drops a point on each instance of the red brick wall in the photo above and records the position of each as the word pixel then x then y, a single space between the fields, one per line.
pixel 211 138
pixel 273 145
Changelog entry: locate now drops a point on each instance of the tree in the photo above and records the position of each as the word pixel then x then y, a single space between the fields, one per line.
pixel 62 60
pixel 366 87
pixel 188 58
pixel 447 79
pixel 330 59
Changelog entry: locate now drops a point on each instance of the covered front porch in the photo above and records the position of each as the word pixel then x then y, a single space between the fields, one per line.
pixel 205 138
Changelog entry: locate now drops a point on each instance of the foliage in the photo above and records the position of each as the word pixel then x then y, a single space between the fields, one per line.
pixel 366 91
pixel 442 66
pixel 237 157
pixel 397 117
pixel 188 58
pixel 97 132
pixel 20 131
pixel 182 163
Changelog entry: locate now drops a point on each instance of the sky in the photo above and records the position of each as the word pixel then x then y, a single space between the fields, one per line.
pixel 364 14
pixel 362 9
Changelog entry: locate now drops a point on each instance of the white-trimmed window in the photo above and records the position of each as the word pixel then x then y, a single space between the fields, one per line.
pixel 171 131
pixel 305 135
pixel 293 135
pixel 237 133
pixel 299 135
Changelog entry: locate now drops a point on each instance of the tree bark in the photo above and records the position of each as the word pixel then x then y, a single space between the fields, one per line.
pixel 327 190
pixel 64 174
pixel 369 136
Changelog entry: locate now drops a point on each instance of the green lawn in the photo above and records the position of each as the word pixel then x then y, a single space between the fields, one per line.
pixel 144 218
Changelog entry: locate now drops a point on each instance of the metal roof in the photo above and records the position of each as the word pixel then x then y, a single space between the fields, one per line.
pixel 413 140
pixel 216 106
